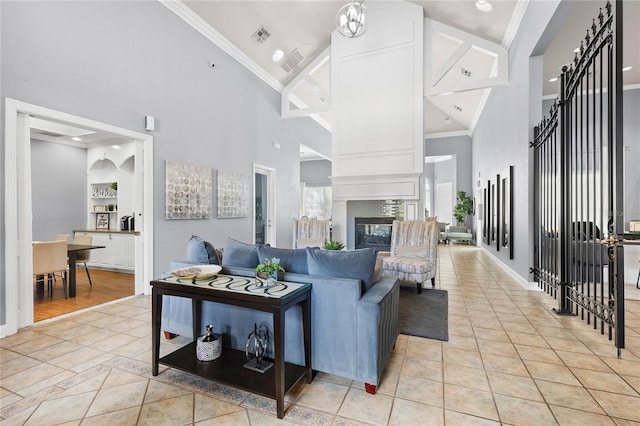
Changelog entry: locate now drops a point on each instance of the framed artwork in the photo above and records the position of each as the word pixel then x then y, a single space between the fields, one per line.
pixel 233 194
pixel 506 212
pixel 485 216
pixel 489 215
pixel 496 213
pixel 102 220
pixel 188 190
pixel 99 208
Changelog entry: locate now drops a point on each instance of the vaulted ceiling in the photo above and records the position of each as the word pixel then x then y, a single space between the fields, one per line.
pixel 302 29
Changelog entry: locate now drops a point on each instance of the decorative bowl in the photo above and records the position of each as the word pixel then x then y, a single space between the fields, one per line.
pixel 197 272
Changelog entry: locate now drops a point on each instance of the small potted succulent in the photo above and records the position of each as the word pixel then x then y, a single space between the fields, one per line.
pixel 333 245
pixel 269 271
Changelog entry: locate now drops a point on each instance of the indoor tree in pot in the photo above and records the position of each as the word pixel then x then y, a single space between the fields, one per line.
pixel 463 209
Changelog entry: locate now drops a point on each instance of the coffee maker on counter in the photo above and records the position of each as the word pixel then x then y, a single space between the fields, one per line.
pixel 127 223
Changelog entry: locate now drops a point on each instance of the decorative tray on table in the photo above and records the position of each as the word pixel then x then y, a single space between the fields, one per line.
pixel 197 272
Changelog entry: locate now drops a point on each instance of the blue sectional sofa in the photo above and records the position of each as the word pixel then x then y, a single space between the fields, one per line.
pixel 354 314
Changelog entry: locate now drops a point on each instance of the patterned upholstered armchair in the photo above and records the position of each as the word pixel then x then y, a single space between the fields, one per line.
pixel 414 247
pixel 310 232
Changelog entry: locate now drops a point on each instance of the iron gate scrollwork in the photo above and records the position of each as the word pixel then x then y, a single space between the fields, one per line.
pixel 578 183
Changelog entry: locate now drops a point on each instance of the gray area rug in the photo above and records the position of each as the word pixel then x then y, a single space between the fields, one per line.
pixel 426 314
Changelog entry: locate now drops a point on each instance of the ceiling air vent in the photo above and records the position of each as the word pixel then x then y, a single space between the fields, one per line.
pixel 260 35
pixel 292 60
pixel 49 133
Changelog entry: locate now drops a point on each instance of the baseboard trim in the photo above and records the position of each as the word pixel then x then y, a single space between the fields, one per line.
pixel 79 311
pixel 527 285
pixel 2 332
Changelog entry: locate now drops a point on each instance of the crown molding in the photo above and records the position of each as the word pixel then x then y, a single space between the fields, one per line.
pixel 447 134
pixel 191 18
pixel 514 23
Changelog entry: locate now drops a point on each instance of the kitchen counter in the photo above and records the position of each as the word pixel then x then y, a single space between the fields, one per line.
pixel 107 231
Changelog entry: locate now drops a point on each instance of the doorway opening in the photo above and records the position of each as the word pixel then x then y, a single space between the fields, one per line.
pixel 264 205
pixel 18 288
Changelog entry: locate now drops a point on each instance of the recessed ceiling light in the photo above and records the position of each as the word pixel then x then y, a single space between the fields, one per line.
pixel 553 79
pixel 483 6
pixel 277 55
pixel 115 146
pixel 626 69
pixel 77 139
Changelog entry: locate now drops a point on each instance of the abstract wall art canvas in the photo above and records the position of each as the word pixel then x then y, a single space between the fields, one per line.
pixel 188 191
pixel 233 194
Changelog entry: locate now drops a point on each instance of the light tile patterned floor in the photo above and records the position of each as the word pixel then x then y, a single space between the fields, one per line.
pixel 509 360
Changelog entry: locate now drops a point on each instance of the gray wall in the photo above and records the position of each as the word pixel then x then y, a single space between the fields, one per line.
pixel 631 136
pixel 315 172
pixel 59 189
pixel 501 137
pixel 460 146
pixel 116 62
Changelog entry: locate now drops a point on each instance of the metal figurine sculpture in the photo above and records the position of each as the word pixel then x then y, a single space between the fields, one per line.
pixel 256 347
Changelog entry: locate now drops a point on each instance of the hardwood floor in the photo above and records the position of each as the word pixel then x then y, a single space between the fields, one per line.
pixel 107 286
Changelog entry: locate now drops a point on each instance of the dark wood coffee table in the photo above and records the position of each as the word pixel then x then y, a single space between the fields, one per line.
pixel 238 291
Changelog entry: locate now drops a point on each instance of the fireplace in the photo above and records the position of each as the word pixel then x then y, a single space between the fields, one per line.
pixel 374 232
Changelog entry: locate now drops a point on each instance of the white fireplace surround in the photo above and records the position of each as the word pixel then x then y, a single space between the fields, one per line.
pixel 369 188
pixel 377 83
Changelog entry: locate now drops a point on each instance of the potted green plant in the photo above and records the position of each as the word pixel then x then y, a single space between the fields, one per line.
pixel 464 207
pixel 333 245
pixel 269 271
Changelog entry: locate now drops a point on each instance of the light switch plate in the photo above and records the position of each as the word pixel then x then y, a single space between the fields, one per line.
pixel 149 122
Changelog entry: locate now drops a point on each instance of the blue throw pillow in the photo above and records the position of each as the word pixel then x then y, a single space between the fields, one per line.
pixel 200 251
pixel 291 260
pixel 211 253
pixel 357 264
pixel 237 253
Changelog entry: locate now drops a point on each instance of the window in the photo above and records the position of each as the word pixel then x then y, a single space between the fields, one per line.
pixel 316 202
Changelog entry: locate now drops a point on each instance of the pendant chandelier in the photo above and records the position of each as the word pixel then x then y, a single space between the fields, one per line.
pixel 350 20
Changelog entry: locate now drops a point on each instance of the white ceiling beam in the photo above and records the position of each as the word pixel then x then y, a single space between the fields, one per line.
pixel 468 41
pixel 451 61
pixel 288 97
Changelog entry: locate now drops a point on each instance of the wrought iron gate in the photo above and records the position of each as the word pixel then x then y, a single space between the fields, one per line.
pixel 578 183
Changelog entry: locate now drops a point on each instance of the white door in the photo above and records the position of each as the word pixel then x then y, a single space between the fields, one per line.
pixel 264 231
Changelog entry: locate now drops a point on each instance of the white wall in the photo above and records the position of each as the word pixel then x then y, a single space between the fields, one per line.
pixel 377 110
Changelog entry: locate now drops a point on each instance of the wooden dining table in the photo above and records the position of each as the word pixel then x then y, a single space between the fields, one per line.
pixel 72 253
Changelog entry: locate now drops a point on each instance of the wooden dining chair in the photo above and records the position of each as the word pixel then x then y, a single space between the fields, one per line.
pixel 85 255
pixel 64 237
pixel 49 259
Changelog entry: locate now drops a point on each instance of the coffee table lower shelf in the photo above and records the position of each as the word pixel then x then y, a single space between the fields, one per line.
pixel 229 369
